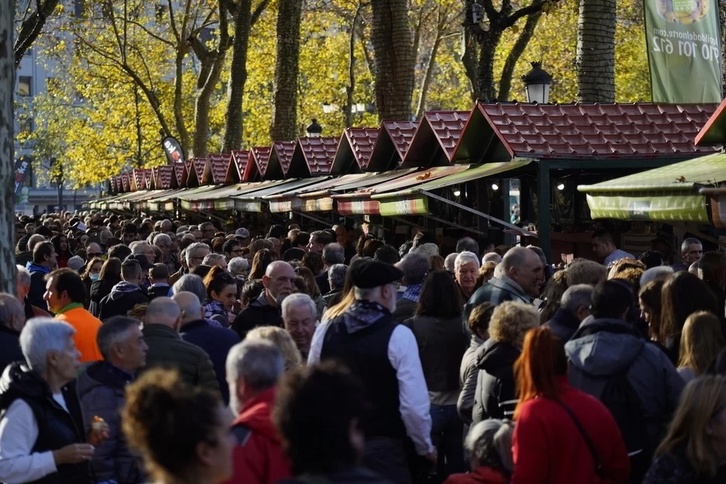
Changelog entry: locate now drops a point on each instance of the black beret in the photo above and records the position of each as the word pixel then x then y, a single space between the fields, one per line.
pixel 372 273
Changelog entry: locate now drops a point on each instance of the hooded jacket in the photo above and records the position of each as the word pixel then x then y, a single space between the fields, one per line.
pixel 37 284
pixel 123 297
pixel 602 348
pixel 258 313
pixel 100 389
pixel 496 394
pixel 56 426
pixel 100 289
pixel 258 456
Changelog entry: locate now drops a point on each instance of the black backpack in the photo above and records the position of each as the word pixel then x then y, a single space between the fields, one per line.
pixel 625 405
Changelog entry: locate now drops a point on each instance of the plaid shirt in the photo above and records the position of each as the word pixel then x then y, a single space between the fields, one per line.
pixel 412 292
pixel 496 291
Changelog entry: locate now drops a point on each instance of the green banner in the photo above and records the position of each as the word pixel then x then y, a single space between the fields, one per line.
pixel 684 50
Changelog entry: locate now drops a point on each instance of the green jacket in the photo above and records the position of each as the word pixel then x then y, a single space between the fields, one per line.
pixel 168 350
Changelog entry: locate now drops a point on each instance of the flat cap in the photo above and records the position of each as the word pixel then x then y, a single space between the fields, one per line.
pixel 371 273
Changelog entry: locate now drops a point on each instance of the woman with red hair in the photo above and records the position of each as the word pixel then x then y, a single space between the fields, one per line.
pixel 561 434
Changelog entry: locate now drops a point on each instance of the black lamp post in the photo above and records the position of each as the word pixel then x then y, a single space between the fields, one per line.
pixel 314 130
pixel 537 82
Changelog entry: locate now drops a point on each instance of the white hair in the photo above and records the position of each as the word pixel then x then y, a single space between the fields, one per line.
pixel 428 250
pixel 488 435
pixel 258 362
pixel 41 336
pixel 162 238
pixel 491 257
pixel 238 264
pixel 466 257
pixel 654 273
pixel 23 275
pixel 212 259
pixel 299 299
pixel 450 262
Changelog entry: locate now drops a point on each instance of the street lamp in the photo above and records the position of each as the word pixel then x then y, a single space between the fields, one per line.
pixel 537 83
pixel 314 130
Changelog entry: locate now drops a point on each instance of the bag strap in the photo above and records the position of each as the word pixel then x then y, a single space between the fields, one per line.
pixel 585 437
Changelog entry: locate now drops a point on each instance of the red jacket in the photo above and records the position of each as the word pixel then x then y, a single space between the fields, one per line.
pixel 548 448
pixel 480 475
pixel 259 458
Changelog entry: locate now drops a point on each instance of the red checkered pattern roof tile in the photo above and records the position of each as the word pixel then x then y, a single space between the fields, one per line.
pixel 319 153
pixel 362 141
pixel 447 126
pixel 284 151
pixel 239 160
pixel 401 133
pixel 219 163
pixel 261 155
pixel 606 130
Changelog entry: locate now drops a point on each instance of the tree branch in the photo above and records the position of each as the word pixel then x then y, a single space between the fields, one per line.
pixel 31 27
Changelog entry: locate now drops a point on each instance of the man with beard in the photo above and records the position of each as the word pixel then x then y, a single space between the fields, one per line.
pixel 279 282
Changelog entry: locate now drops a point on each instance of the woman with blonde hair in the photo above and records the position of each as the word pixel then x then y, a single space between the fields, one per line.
pixel 282 340
pixel 495 394
pixel 701 342
pixel 694 448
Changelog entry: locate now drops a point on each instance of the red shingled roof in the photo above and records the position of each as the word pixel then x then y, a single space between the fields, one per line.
pixel 714 132
pixel 280 159
pixel 362 141
pixel 217 166
pixel 257 165
pixel 313 156
pixel 180 174
pixel 138 180
pixel 148 179
pixel 162 176
pixel 553 131
pixel 236 169
pixel 435 139
pixel 393 141
pixel 112 184
pixel 125 181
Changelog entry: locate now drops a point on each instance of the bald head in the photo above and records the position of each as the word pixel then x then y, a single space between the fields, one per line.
pixel 279 281
pixel 523 266
pixel 189 304
pixel 164 311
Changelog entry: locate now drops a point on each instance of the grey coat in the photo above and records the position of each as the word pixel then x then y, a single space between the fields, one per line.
pixel 605 347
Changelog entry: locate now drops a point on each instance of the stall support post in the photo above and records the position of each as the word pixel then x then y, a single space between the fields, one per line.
pixel 544 224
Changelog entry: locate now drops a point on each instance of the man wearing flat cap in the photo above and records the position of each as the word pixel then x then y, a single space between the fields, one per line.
pixel 384 355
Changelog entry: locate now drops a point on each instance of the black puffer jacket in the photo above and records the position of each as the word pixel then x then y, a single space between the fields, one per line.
pixel 496 393
pixel 56 426
pixel 101 393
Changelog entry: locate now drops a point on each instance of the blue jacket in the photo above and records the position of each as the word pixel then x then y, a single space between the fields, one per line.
pixel 605 347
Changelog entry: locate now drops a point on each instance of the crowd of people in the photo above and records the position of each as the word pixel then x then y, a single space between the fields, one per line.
pixel 138 350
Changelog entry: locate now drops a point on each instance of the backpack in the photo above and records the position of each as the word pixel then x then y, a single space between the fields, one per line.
pixel 624 404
